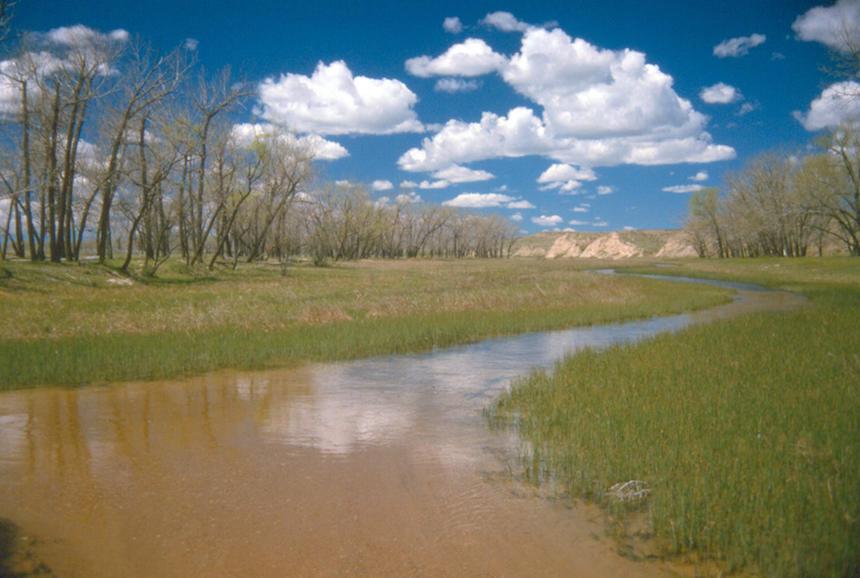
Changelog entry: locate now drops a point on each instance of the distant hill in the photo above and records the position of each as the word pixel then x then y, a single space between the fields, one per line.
pixel 610 245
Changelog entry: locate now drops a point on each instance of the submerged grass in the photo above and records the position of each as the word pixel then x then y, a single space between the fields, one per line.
pixel 68 325
pixel 746 430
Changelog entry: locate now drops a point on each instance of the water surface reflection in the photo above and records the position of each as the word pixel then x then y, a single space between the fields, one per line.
pixel 374 467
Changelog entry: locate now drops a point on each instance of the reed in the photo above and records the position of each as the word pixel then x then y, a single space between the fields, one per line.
pixel 745 430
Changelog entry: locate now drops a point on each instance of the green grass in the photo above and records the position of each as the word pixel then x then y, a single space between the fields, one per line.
pixel 746 430
pixel 67 325
pixel 792 274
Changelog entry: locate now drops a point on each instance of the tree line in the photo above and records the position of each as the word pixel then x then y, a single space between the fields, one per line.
pixel 113 150
pixel 343 223
pixel 784 205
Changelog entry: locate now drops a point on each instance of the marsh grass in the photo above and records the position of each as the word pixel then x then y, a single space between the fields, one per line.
pixel 67 325
pixel 746 430
pixel 793 274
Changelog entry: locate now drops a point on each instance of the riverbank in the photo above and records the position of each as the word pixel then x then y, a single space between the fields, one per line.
pixel 744 431
pixel 69 324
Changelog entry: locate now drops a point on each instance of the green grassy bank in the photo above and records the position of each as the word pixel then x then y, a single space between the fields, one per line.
pixel 73 325
pixel 747 431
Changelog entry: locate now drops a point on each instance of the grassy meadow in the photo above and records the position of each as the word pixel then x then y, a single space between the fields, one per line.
pixel 746 431
pixel 73 324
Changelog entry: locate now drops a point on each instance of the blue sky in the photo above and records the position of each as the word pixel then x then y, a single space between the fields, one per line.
pixel 576 95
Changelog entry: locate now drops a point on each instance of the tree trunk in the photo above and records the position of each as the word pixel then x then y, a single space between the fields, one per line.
pixel 25 154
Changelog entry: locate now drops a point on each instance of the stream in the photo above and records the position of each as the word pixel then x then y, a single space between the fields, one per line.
pixel 376 467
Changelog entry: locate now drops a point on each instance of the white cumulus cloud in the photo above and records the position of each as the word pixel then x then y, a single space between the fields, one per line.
pixel 700 176
pixel 472 57
pixel 720 93
pixel 478 200
pixel 319 148
pixel 746 108
pixel 332 102
pixel 520 204
pixel 838 103
pixel 455 85
pixel 680 189
pixel 589 92
pixel 547 221
pixel 79 36
pixel 517 217
pixel 605 190
pixel 565 187
pixel 521 133
pixel 452 24
pixel 561 172
pixel 458 174
pixel 565 177
pixel 487 201
pixel 600 108
pixel 437 184
pixel 504 21
pixel 518 134
pixel 408 198
pixel 836 26
pixel 740 46
pixel 382 185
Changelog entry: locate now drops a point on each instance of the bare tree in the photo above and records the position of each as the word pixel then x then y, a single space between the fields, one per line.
pixel 109 140
pixel 247 170
pixel 286 168
pixel 156 161
pixel 831 184
pixel 148 80
pixel 704 221
pixel 765 214
pixel 211 99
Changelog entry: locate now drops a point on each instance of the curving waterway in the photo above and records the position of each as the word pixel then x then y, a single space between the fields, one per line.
pixel 377 467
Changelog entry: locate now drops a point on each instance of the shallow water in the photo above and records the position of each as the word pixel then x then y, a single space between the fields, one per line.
pixel 378 467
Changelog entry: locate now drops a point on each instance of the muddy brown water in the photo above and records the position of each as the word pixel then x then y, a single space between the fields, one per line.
pixel 378 467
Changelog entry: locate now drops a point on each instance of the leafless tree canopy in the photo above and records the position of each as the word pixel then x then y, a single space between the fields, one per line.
pixel 784 205
pixel 112 149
